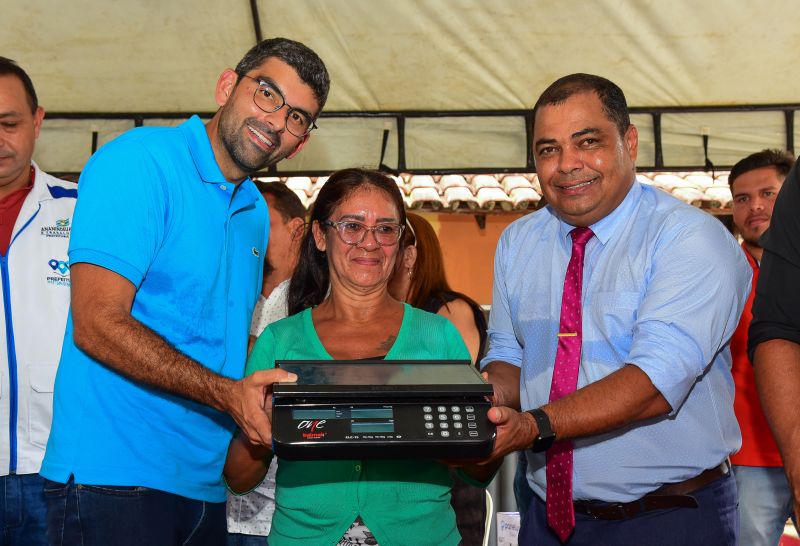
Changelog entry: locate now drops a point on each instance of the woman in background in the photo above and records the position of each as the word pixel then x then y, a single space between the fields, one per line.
pixel 419 279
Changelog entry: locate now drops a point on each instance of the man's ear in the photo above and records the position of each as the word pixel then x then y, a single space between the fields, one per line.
pixel 296 228
pixel 38 116
pixel 299 146
pixel 225 86
pixel 632 142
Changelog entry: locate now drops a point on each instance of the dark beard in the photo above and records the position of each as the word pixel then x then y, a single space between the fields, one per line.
pixel 238 149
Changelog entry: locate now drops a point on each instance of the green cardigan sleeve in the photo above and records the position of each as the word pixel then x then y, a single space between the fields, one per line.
pixel 262 357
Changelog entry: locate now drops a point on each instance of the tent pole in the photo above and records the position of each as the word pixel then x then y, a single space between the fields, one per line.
pixel 256 21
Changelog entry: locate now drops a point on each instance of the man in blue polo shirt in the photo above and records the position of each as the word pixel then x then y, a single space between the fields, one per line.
pixel 166 262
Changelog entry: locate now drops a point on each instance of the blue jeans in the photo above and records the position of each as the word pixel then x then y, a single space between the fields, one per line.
pixel 238 539
pixel 715 522
pixel 765 503
pixel 96 515
pixel 23 510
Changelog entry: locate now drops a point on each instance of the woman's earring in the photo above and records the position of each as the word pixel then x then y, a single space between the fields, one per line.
pixel 410 272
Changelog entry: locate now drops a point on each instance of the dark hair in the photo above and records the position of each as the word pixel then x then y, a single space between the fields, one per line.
pixel 7 66
pixel 781 160
pixel 309 284
pixel 615 107
pixel 286 201
pixel 428 279
pixel 308 65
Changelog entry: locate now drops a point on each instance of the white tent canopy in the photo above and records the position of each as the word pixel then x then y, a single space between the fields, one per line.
pixel 130 57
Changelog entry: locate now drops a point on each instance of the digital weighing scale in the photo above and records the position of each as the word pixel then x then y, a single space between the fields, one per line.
pixel 370 409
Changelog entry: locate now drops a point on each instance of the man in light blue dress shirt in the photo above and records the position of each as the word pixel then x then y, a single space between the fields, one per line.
pixel 664 284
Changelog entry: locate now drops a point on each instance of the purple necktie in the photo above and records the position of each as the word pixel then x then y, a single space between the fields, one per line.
pixel 560 512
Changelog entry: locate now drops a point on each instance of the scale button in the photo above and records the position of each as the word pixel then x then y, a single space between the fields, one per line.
pixel 445 433
pixel 429 425
pixel 429 434
pixel 471 417
pixel 457 417
pixel 472 425
pixel 443 425
pixel 441 409
pixel 469 409
pixel 427 409
pixel 473 433
pixel 358 468
pixel 428 417
pixel 458 425
pixel 442 416
pixel 455 408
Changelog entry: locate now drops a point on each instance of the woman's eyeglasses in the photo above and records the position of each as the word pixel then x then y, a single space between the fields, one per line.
pixel 353 233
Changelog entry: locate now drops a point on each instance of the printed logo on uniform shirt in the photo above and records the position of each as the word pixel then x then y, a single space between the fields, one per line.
pixel 61 229
pixel 255 252
pixel 60 276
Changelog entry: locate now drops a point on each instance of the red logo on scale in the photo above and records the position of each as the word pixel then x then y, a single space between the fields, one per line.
pixel 312 427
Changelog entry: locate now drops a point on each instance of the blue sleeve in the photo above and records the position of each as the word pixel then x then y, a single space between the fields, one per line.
pixel 698 285
pixel 503 343
pixel 120 215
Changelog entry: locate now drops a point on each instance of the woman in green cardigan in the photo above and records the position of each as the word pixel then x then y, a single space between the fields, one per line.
pixel 340 308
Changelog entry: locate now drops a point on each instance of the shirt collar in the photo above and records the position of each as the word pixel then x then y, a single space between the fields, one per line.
pixel 755 264
pixel 39 184
pixel 202 154
pixel 605 228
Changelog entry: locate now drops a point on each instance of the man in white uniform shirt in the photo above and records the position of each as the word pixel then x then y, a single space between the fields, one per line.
pixel 35 223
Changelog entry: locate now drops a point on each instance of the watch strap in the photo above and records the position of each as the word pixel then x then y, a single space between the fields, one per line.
pixel 546 436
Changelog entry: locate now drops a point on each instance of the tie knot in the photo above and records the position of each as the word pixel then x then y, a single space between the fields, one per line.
pixel 581 235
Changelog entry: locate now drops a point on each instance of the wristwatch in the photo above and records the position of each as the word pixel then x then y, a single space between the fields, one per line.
pixel 546 436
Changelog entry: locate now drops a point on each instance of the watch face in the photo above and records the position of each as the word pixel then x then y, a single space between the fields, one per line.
pixel 543 443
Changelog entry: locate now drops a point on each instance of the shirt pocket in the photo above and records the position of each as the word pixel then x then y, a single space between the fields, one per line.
pixel 40 403
pixel 608 332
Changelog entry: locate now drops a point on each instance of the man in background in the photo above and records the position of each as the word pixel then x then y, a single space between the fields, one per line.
pixel 286 223
pixel 765 501
pixel 774 340
pixel 35 222
pixel 250 515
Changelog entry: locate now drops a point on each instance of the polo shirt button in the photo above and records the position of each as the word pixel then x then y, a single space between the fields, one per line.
pixel 223 187
pixel 358 468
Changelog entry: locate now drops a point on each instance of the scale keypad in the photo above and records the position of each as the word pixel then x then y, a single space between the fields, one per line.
pixel 451 421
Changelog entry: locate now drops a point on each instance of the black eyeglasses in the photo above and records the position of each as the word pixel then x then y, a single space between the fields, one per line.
pixel 353 233
pixel 269 99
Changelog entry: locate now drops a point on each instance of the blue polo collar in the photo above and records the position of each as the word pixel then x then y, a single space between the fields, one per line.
pixel 202 154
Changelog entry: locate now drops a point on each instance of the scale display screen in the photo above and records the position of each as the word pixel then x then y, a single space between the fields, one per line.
pixel 343 413
pixel 357 427
pixel 371 413
pixel 313 414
